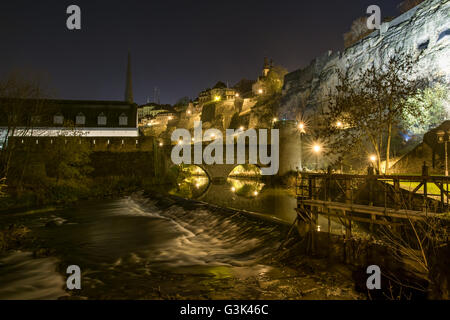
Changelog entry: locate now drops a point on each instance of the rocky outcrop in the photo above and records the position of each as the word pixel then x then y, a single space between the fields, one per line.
pixel 423 32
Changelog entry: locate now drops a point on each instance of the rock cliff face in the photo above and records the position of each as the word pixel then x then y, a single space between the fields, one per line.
pixel 423 31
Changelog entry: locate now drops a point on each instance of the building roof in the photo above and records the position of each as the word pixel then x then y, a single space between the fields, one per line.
pixel 45 109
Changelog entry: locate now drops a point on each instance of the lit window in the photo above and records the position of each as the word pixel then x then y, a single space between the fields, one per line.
pixel 80 119
pixel 58 119
pixel 123 120
pixel 101 120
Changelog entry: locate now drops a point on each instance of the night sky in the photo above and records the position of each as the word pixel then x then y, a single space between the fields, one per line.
pixel 182 47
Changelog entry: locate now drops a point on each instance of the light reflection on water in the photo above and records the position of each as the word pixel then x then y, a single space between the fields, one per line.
pixel 133 248
pixel 242 194
pixel 145 248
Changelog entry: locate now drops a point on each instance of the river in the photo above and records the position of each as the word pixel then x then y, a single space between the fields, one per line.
pixel 141 247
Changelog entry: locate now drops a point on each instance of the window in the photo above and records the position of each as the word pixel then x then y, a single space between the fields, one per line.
pixel 443 34
pixel 80 119
pixel 35 120
pixel 101 120
pixel 123 120
pixel 424 45
pixel 58 119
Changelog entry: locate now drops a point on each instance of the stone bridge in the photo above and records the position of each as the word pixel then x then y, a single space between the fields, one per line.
pixel 289 154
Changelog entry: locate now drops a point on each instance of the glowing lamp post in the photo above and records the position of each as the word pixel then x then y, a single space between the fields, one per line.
pixel 301 127
pixel 443 138
pixel 372 158
pixel 317 149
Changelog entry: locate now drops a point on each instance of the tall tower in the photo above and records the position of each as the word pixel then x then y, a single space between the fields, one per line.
pixel 266 67
pixel 156 94
pixel 129 83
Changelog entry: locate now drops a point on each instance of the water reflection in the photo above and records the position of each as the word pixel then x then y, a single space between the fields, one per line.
pixel 192 187
pixel 242 194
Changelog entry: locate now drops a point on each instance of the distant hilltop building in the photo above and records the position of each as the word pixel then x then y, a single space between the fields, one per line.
pixel 88 118
pixel 220 92
pixel 150 110
pixel 258 87
pixel 216 107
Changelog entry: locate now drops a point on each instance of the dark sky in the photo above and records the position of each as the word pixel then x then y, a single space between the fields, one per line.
pixel 182 47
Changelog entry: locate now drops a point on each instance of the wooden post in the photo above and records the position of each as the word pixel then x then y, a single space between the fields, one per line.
pixel 313 215
pixel 397 191
pixel 425 186
pixel 329 200
pixel 155 158
pixel 371 181
pixel 348 199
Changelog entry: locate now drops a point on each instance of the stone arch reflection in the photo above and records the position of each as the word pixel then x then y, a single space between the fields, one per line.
pixel 245 187
pixel 193 182
pixel 245 171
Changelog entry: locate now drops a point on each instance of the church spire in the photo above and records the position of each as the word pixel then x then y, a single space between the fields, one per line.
pixel 129 84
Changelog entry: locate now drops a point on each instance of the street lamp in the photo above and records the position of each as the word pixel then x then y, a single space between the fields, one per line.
pixel 442 138
pixel 373 158
pixel 301 127
pixel 317 149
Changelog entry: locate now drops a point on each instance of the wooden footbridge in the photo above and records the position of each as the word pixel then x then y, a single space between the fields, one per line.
pixel 389 200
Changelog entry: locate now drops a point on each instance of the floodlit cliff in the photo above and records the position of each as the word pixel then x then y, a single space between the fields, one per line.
pixel 423 32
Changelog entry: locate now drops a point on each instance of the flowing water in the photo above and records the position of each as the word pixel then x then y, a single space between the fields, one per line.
pixel 144 248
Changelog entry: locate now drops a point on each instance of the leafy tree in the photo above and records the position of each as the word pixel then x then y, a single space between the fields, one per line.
pixel 68 158
pixel 431 103
pixel 365 109
pixel 275 79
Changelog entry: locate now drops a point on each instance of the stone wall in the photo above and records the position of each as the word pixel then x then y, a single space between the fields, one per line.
pixel 423 31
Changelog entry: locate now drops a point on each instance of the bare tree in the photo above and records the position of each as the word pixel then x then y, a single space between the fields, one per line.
pixel 365 108
pixel 22 107
pixel 358 30
pixel 408 4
